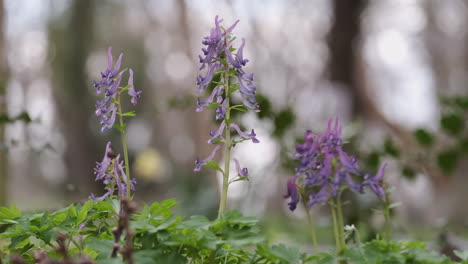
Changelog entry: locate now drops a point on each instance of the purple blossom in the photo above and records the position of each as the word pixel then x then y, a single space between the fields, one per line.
pixel 245 135
pixel 215 134
pixel 106 109
pixel 131 91
pixel 241 172
pixel 319 198
pixel 101 167
pixel 199 163
pixel 109 74
pixel 110 171
pixel 375 183
pixel 326 169
pixel 292 193
pixel 220 110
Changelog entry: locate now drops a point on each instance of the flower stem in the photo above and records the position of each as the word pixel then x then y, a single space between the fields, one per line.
pixel 335 226
pixel 227 149
pixel 387 218
pixel 340 221
pixel 124 146
pixel 312 226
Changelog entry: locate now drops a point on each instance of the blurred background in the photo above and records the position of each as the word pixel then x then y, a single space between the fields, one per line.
pixel 394 71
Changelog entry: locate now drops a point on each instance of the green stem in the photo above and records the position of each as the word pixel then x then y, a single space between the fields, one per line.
pixel 335 226
pixel 312 227
pixel 124 146
pixel 340 221
pixel 387 218
pixel 227 149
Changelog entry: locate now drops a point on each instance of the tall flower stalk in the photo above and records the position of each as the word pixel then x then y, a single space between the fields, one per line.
pixel 223 76
pixel 324 172
pixel 111 170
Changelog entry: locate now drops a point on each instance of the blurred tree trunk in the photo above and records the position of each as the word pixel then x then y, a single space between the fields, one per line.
pixel 3 85
pixel 343 38
pixel 70 46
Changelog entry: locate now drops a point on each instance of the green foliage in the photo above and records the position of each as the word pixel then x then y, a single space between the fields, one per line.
pixel 423 137
pixel 23 116
pixel 162 237
pixel 447 160
pixel 452 123
pixel 391 149
pixel 283 121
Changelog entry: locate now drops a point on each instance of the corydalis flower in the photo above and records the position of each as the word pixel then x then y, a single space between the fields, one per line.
pixel 241 172
pixel 199 163
pixel 375 183
pixel 325 168
pixel 110 171
pixel 111 78
pixel 216 57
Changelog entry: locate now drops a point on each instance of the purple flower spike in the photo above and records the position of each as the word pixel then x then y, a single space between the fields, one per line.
pixel 131 91
pixel 245 135
pixel 242 172
pixel 199 163
pixel 110 171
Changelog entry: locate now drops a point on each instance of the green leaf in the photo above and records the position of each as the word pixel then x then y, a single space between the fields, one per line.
pixel 408 173
pixel 233 87
pixel 9 213
pixel 391 149
pixel 423 137
pixel 372 160
pixel 84 211
pixel 447 160
pixel 462 102
pixel 213 105
pixel 240 108
pixel 119 127
pixel 452 123
pixel 461 254
pixel 213 165
pixel 264 106
pixel 131 113
pixel 283 121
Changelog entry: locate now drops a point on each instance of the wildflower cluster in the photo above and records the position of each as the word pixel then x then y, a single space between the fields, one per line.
pixel 111 172
pixel 220 67
pixel 325 169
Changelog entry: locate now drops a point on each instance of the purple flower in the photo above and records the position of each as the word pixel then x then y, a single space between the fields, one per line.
pixel 110 171
pixel 131 91
pixel 101 198
pixel 319 198
pixel 292 193
pixel 101 167
pixel 241 172
pixel 203 82
pixel 106 109
pixel 323 165
pixel 109 74
pixel 199 163
pixel 215 134
pixel 245 135
pixel 375 183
